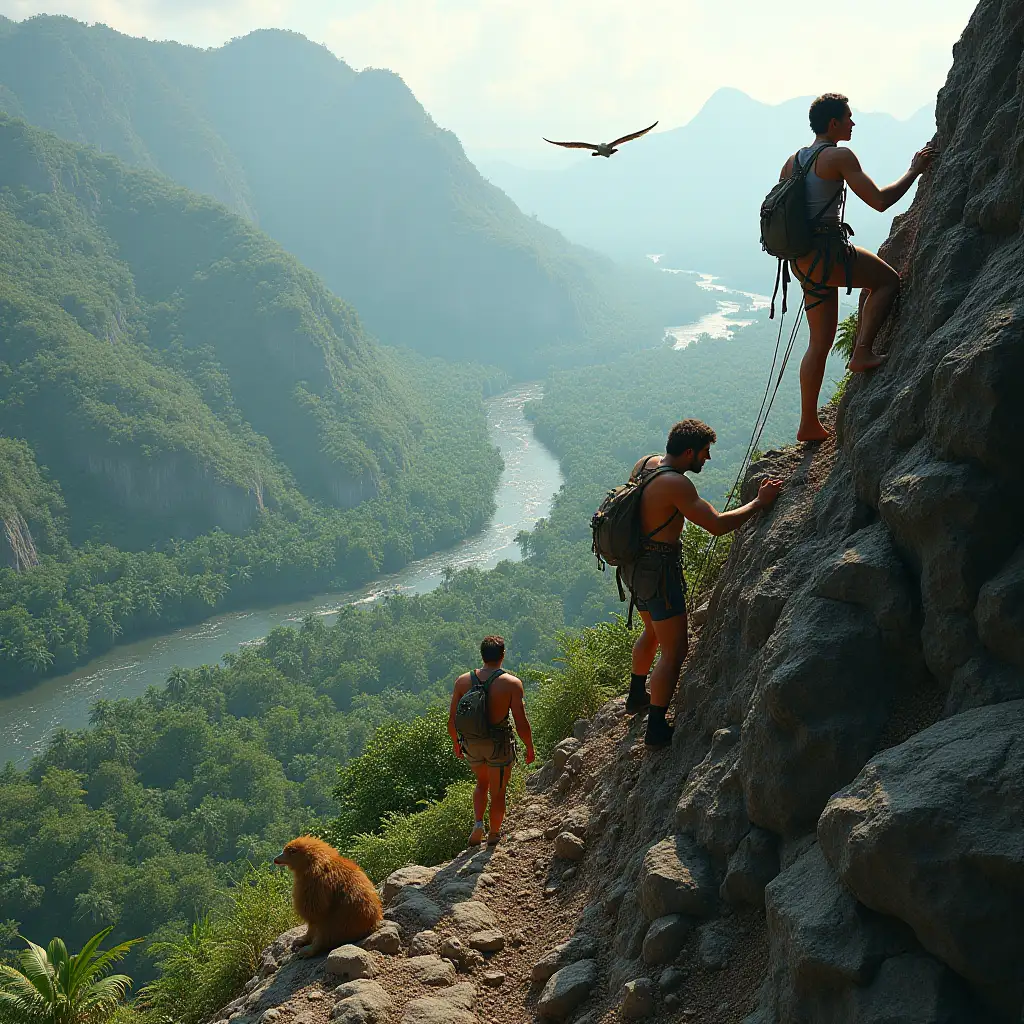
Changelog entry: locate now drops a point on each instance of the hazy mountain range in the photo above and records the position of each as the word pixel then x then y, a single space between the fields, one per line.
pixel 348 172
pixel 693 193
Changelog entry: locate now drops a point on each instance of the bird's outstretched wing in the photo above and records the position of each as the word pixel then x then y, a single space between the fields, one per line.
pixel 573 145
pixel 635 135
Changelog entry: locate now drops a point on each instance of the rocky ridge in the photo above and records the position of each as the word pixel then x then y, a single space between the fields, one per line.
pixel 836 833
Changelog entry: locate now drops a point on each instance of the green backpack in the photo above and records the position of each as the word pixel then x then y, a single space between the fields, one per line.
pixel 471 721
pixel 787 233
pixel 615 527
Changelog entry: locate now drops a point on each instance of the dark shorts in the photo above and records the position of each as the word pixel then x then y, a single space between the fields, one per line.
pixel 657 582
pixel 832 249
pixel 498 752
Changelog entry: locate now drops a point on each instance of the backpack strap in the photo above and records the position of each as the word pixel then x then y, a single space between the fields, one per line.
pixel 483 684
pixel 650 535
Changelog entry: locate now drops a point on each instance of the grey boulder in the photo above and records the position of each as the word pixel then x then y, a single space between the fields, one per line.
pixel 930 833
pixel 567 988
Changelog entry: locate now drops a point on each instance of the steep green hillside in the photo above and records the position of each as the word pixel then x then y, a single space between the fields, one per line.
pixel 349 172
pixel 176 373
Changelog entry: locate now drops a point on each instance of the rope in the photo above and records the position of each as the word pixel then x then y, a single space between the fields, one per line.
pixel 755 438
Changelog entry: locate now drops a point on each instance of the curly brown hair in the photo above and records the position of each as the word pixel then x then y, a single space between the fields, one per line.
pixel 687 434
pixel 824 108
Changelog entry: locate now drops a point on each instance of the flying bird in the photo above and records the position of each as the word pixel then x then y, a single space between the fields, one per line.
pixel 602 148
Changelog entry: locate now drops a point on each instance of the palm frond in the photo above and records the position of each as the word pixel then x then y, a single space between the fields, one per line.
pixel 102 963
pixel 16 1010
pixel 107 992
pixel 37 967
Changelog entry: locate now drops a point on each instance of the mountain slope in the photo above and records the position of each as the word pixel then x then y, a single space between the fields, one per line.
pixel 167 370
pixel 345 169
pixel 148 334
pixel 694 192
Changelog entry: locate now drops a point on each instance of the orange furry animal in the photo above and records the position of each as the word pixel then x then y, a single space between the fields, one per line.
pixel 331 894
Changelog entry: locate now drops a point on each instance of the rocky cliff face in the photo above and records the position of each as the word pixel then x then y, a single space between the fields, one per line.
pixel 883 601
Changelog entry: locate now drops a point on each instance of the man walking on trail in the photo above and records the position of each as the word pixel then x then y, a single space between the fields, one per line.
pixel 656 581
pixel 833 262
pixel 492 752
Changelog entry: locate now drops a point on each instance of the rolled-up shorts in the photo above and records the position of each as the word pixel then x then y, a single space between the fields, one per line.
pixel 659 586
pixel 498 752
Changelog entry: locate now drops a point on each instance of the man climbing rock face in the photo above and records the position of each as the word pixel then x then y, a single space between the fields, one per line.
pixel 656 580
pixel 834 262
pixel 478 723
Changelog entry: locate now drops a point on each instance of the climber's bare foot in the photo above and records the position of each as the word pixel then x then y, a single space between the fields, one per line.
pixel 813 432
pixel 863 361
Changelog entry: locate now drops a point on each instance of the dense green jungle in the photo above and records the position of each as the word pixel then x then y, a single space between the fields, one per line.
pixel 190 420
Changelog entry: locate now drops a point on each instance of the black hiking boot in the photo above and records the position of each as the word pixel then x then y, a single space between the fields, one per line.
pixel 659 732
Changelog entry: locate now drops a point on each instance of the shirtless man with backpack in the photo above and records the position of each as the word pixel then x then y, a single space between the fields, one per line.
pixel 478 723
pixel 656 579
pixel 832 261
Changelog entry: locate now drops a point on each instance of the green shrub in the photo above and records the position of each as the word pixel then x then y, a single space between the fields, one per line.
pixel 596 663
pixel 403 764
pixel 429 836
pixel 841 385
pixel 206 967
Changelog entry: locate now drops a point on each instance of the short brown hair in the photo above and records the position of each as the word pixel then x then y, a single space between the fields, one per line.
pixel 824 108
pixel 492 648
pixel 688 434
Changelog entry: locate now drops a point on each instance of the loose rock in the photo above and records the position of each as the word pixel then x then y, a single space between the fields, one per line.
pixel 493 979
pixel 670 979
pixel 569 847
pixel 563 751
pixel 414 875
pixel 579 947
pixel 665 937
pixel 413 910
pixel 432 970
pixel 567 988
pixel 423 943
pixel 453 1007
pixel 487 940
pixel 676 878
pixel 361 1002
pixel 638 999
pixel 386 939
pixel 349 962
pixel 472 916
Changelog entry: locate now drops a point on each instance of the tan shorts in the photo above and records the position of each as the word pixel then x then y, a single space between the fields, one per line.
pixel 498 752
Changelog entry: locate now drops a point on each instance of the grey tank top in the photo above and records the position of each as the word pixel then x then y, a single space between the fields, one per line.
pixel 820 192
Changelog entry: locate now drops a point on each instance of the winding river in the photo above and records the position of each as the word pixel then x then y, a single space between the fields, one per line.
pixel 528 483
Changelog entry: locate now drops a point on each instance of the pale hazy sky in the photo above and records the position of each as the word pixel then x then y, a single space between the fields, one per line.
pixel 500 73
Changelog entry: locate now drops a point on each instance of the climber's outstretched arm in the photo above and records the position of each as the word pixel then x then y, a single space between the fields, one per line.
pixel 880 198
pixel 704 514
